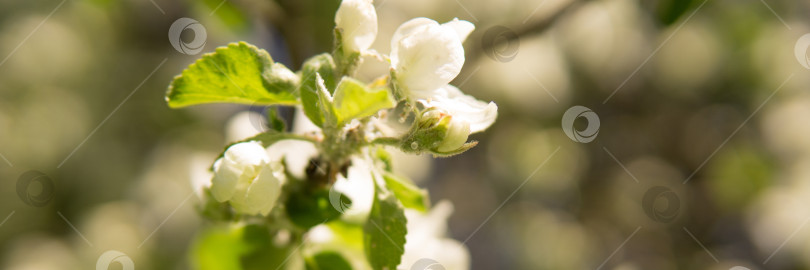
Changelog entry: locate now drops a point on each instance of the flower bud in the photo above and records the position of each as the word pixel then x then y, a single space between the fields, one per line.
pixel 456 134
pixel 246 177
pixel 480 115
pixel 437 132
pixel 357 20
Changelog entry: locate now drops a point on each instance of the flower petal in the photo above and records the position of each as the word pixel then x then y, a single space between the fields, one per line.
pixel 240 160
pixel 461 27
pixel 407 29
pixel 358 20
pixel 247 154
pixel 427 58
pixel 226 176
pixel 261 193
pixel 295 154
pixel 457 133
pixel 479 114
pixel 359 187
pixel 426 239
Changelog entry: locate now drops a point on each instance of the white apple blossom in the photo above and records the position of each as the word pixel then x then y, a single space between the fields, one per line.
pixel 426 239
pixel 426 55
pixel 358 21
pixel 246 177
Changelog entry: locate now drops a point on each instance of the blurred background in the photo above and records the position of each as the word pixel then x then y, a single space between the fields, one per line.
pixel 701 161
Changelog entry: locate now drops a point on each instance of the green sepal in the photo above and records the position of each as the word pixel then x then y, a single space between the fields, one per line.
pixel 408 194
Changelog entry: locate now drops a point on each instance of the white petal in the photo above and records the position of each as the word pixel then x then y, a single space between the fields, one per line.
pixel 427 58
pixel 359 187
pixel 295 153
pixel 461 27
pixel 358 19
pixel 457 133
pixel 479 114
pixel 241 160
pixel 407 29
pixel 247 154
pixel 426 239
pixel 260 195
pixel 429 225
pixel 452 254
pixel 226 176
pixel 320 234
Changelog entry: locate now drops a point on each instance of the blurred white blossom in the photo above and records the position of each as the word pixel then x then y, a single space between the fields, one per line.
pixel 426 239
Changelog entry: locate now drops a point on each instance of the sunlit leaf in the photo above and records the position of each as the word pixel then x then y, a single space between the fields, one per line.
pixel 238 73
pixel 408 194
pixel 353 100
pixel 324 66
pixel 384 232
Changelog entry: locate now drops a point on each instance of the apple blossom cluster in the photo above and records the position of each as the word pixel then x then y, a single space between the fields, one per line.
pixel 329 177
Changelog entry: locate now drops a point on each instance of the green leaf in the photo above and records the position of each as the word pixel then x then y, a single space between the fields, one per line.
pixel 348 233
pixel 264 252
pixel 274 121
pixel 238 73
pixel 322 65
pixel 240 247
pixel 408 194
pixel 308 209
pixel 328 260
pixel 325 103
pixel 353 100
pixel 384 232
pixel 385 157
pixel 209 250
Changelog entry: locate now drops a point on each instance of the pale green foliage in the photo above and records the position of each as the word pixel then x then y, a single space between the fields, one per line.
pixel 238 73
